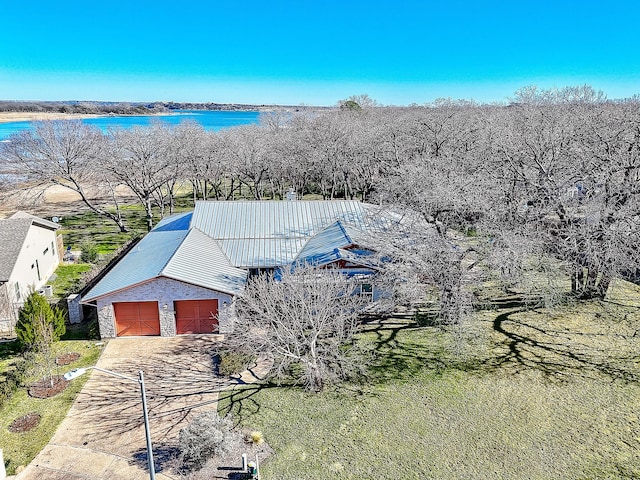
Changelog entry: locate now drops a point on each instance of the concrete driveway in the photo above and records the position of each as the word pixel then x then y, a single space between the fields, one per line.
pixel 103 437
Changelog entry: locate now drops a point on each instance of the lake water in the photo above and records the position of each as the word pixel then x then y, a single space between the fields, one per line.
pixel 209 119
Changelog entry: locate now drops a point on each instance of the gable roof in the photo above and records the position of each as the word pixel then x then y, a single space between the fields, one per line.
pixel 333 237
pixel 179 221
pixel 41 222
pixel 200 261
pixel 267 234
pixel 184 255
pixel 216 244
pixel 13 233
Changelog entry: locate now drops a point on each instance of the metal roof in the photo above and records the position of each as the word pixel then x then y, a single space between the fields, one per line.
pixel 200 261
pixel 185 255
pixel 332 237
pixel 179 221
pixel 264 234
pixel 144 262
pixel 217 243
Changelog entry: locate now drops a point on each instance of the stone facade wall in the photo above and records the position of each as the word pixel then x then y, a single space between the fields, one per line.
pixel 165 291
pixel 75 309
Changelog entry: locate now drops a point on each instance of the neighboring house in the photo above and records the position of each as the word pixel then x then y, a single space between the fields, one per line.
pixel 30 251
pixel 184 275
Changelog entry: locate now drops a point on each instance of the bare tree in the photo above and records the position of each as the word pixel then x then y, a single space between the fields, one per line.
pixel 65 153
pixel 567 178
pixel 245 152
pixel 140 159
pixel 307 318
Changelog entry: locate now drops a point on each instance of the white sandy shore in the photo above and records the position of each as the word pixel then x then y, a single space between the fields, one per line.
pixel 6 117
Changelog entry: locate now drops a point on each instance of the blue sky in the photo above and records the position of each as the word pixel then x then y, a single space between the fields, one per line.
pixel 311 52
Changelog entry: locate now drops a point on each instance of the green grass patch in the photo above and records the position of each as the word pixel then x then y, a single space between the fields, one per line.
pixel 8 353
pixel 104 233
pixel 532 395
pixel 67 278
pixel 21 448
pixel 90 227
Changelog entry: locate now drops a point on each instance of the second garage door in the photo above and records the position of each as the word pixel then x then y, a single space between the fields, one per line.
pixel 137 318
pixel 196 316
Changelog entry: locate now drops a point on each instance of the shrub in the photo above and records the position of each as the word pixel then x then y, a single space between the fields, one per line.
pixel 16 376
pixel 89 252
pixel 256 437
pixel 34 314
pixel 233 363
pixel 206 436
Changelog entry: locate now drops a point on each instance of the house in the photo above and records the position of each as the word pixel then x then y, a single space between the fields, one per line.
pixel 30 251
pixel 183 276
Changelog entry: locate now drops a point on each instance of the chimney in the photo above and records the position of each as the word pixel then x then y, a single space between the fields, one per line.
pixel 292 196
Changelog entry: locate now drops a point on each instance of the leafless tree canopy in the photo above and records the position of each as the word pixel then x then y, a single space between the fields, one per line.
pixel 305 320
pixel 555 174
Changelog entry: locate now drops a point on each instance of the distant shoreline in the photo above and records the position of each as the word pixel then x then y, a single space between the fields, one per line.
pixel 8 117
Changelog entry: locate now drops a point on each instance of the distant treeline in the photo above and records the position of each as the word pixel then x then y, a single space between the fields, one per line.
pixel 129 108
pixel 224 106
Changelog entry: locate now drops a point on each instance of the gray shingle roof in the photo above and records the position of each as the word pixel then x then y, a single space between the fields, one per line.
pixel 41 222
pixel 13 232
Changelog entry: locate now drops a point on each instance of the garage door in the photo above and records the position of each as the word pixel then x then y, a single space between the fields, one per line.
pixel 137 318
pixel 196 316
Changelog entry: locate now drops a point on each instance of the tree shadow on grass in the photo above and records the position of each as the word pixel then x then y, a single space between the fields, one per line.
pixel 524 343
pixel 240 401
pixel 561 353
pixel 395 356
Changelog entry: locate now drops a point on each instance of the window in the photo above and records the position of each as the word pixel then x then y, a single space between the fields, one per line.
pixel 46 250
pixel 38 269
pixel 53 250
pixel 366 290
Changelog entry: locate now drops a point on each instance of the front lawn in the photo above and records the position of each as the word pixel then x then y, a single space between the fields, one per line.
pixel 534 395
pixel 21 448
pixel 68 277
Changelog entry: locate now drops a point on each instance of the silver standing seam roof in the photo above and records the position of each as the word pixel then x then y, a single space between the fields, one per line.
pixel 185 255
pixel 267 234
pixel 215 245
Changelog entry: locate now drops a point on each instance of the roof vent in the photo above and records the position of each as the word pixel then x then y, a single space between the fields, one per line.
pixel 292 195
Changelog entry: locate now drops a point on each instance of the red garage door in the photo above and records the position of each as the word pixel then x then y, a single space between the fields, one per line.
pixel 137 318
pixel 196 316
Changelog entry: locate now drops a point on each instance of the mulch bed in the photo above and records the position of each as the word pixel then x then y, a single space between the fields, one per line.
pixel 43 388
pixel 25 423
pixel 67 358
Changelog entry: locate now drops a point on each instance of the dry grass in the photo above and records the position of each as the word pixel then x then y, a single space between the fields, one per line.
pixel 536 395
